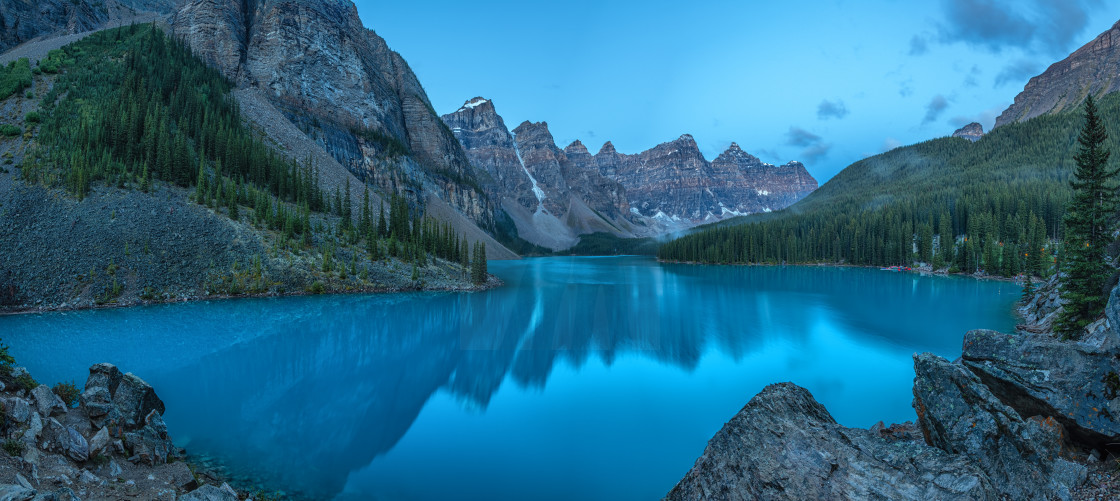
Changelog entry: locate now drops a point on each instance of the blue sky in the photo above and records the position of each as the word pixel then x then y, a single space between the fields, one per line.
pixel 823 82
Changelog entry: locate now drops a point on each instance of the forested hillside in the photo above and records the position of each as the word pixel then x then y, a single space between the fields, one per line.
pixel 131 111
pixel 1000 201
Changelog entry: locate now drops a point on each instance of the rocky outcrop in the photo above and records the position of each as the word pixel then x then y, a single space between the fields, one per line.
pixel 972 132
pixel 1074 382
pixel 24 20
pixel 785 445
pixel 343 86
pixel 1024 458
pixel 59 452
pixel 1091 69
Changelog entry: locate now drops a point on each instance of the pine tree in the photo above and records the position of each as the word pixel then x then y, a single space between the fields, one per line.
pixel 1028 290
pixel 1087 228
pixel 382 228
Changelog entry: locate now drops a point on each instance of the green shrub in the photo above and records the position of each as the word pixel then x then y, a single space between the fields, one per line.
pixel 68 392
pixel 10 130
pixel 316 288
pixel 13 447
pixel 33 118
pixel 26 382
pixel 6 359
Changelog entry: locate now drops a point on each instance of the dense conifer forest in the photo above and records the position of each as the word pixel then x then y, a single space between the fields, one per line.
pixel 131 107
pixel 994 206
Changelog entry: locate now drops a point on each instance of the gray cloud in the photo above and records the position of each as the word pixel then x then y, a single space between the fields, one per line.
pixel 972 79
pixel 829 109
pixel 1017 71
pixel 813 146
pixel 906 88
pixel 889 144
pixel 1048 26
pixel 801 138
pixel 919 45
pixel 816 152
pixel 935 108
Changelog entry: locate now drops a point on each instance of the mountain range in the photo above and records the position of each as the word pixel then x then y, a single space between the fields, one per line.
pixel 555 195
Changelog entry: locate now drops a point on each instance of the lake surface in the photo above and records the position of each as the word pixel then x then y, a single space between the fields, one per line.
pixel 582 378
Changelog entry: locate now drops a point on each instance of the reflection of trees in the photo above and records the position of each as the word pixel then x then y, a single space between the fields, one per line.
pixel 337 381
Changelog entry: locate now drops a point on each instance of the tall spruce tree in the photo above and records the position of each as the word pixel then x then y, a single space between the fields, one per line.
pixel 1087 228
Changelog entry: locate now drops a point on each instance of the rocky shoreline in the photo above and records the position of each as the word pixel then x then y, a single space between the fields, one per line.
pixel 1017 416
pixel 492 283
pixel 109 442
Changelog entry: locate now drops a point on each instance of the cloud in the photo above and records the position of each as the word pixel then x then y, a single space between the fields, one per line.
pixel 1048 26
pixel 1018 71
pixel 801 138
pixel 972 79
pixel 591 134
pixel 829 109
pixel 906 88
pixel 813 146
pixel 889 144
pixel 919 45
pixel 936 106
pixel 815 152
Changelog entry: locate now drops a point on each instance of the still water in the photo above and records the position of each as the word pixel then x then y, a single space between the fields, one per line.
pixel 581 378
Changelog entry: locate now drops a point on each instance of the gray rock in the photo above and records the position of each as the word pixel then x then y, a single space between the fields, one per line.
pixel 75 445
pixel 34 427
pixel 150 444
pixel 97 402
pixel 46 402
pixel 209 493
pixel 1038 375
pixel 785 445
pixel 958 414
pixel 106 376
pixel 18 409
pixel 134 398
pixel 114 468
pixel 12 492
pixel 89 478
pixel 99 441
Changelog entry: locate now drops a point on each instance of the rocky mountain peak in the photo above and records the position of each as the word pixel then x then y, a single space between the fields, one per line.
pixel 576 148
pixel 735 154
pixel 608 148
pixel 972 132
pixel 480 103
pixel 534 129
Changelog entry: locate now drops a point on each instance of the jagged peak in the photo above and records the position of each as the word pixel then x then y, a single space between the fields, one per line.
pixel 608 147
pixel 687 138
pixel 735 153
pixel 576 147
pixel 474 103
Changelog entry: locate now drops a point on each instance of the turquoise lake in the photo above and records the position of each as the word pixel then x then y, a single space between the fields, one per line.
pixel 581 378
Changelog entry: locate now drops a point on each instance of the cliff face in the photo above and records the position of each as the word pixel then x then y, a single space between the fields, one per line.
pixel 1092 69
pixel 345 88
pixel 23 20
pixel 552 195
